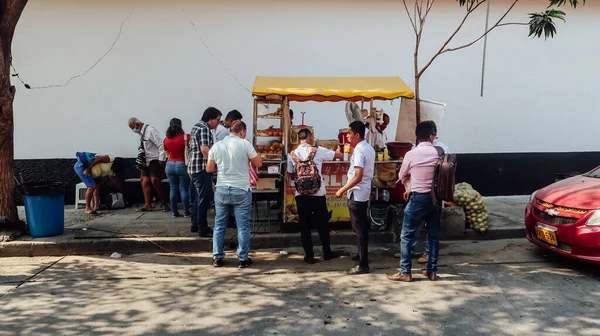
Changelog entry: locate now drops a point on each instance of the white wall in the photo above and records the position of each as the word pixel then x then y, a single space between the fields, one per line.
pixel 539 97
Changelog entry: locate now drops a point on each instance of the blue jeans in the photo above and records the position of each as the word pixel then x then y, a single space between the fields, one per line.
pixel 420 206
pixel 179 180
pixel 417 234
pixel 203 193
pixel 240 201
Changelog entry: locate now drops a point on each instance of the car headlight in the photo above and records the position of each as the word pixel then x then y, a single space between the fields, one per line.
pixel 532 196
pixel 594 220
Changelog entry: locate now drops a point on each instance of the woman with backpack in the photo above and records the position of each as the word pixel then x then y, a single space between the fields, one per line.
pixel 89 167
pixel 175 145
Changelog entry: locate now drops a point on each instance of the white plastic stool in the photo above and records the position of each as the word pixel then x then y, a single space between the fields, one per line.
pixel 80 190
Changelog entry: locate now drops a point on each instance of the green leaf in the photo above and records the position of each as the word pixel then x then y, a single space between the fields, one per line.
pixel 543 23
pixel 573 3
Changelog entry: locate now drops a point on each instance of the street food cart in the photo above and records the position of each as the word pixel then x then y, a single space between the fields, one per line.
pixel 274 142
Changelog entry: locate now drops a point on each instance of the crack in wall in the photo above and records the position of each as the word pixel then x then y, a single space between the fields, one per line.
pixel 211 53
pixel 112 46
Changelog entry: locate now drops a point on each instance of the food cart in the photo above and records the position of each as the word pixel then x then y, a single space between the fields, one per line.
pixel 273 143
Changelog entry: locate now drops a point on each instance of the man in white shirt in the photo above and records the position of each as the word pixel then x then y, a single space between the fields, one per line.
pixel 358 187
pixel 151 174
pixel 312 208
pixel 231 158
pixel 222 130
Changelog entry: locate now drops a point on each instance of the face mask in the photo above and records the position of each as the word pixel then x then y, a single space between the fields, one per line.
pixel 136 131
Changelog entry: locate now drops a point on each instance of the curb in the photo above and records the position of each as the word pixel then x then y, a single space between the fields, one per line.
pixel 192 244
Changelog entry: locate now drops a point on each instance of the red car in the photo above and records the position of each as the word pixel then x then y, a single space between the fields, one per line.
pixel 564 217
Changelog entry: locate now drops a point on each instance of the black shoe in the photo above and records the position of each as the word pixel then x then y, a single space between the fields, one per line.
pixel 357 270
pixel 193 229
pixel 330 255
pixel 217 262
pixel 206 234
pixel 309 260
pixel 245 263
pixel 355 258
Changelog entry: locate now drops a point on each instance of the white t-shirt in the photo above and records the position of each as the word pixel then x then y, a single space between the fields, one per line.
pixel 363 156
pixel 322 154
pixel 220 133
pixel 153 144
pixel 232 156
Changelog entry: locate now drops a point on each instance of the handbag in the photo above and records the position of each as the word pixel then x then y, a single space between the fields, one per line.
pixel 115 201
pixel 186 140
pixel 253 175
pixel 140 160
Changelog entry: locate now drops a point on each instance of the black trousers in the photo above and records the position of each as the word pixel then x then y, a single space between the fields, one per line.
pixel 360 226
pixel 312 211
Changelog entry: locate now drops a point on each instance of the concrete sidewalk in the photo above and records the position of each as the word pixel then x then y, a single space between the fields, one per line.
pixel 128 231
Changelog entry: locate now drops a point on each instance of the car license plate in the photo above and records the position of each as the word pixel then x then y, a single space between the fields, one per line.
pixel 546 235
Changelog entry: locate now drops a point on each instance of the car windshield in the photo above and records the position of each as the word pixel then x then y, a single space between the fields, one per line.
pixel 594 173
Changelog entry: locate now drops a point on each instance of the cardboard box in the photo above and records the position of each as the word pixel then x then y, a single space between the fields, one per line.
pixel 266 183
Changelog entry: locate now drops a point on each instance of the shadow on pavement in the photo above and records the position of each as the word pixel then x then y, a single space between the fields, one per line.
pixel 182 295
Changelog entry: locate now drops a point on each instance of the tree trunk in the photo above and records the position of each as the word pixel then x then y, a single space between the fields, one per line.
pixel 10 12
pixel 417 100
pixel 417 76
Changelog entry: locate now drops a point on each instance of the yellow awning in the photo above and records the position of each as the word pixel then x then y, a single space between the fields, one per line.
pixel 332 89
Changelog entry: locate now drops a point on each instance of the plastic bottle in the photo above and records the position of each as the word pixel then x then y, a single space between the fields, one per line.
pixel 346 152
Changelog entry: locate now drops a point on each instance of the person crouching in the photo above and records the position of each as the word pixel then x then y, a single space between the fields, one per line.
pixel 90 167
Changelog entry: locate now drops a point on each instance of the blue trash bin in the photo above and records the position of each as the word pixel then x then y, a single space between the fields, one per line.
pixel 44 208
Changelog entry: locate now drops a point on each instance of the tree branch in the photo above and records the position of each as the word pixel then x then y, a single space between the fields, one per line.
pixel 415 12
pixel 412 23
pixel 450 38
pixel 514 24
pixel 484 34
pixel 429 6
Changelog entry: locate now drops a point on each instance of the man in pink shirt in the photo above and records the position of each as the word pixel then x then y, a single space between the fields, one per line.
pixel 417 174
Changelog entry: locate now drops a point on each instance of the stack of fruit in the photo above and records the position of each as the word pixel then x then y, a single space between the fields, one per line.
pixel 274 149
pixel 475 209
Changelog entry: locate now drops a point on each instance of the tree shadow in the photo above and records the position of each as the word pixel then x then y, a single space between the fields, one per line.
pixel 163 294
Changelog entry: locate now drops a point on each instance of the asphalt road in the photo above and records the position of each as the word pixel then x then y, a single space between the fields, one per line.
pixel 503 287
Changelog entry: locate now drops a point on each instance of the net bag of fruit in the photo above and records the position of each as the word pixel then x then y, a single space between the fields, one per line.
pixel 475 210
